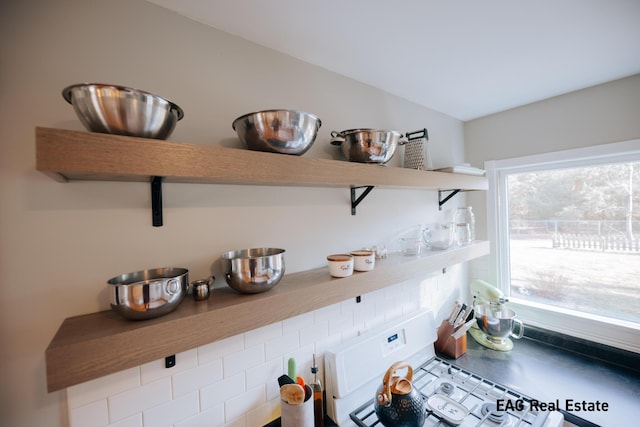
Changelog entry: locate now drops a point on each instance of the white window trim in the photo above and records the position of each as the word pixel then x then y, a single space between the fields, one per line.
pixel 620 334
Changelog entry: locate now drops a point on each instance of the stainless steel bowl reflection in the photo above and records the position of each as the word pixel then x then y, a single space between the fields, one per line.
pixel 148 293
pixel 122 110
pixel 278 131
pixel 251 271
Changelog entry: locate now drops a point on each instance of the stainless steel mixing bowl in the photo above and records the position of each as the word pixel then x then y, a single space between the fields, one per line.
pixel 497 324
pixel 148 293
pixel 367 145
pixel 251 271
pixel 278 131
pixel 122 111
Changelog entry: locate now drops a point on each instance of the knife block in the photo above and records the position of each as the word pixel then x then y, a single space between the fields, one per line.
pixel 448 345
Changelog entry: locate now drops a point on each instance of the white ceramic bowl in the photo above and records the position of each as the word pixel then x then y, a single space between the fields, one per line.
pixel 340 265
pixel 363 260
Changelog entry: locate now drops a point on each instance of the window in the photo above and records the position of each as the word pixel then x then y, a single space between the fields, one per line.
pixel 565 229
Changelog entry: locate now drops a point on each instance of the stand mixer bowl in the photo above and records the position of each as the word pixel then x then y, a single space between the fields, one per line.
pixel 497 324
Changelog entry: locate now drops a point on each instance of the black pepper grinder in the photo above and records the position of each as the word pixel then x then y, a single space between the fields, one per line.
pixel 318 401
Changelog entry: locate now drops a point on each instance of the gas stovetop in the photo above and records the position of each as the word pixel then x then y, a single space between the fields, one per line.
pixel 487 403
pixel 354 371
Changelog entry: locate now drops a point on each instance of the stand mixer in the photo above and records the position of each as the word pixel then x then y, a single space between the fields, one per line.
pixel 494 322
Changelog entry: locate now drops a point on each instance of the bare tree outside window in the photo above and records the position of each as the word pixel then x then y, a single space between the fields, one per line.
pixel 574 238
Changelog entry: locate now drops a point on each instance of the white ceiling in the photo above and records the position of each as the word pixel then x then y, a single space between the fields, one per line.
pixel 464 58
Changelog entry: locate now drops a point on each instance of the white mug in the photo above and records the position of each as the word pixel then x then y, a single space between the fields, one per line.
pixel 340 265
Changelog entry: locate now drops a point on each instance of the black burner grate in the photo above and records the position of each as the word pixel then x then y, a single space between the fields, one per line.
pixel 469 389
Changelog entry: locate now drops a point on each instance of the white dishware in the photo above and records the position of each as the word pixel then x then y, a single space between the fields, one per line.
pixel 340 265
pixel 363 260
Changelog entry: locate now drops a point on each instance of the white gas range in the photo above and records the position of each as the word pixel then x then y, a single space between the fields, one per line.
pixel 354 371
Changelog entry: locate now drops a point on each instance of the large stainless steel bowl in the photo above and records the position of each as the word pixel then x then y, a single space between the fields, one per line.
pixel 251 271
pixel 367 145
pixel 148 293
pixel 278 131
pixel 122 111
pixel 497 324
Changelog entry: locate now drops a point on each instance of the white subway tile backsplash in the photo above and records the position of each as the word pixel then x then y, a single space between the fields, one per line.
pixel 153 371
pixel 240 361
pixel 326 313
pixel 239 422
pixel 219 349
pixel 172 412
pixel 264 374
pixel 240 405
pixel 233 382
pixel 272 388
pixel 276 347
pixel 222 391
pixel 343 320
pixel 322 345
pixel 363 312
pixel 260 335
pixel 196 378
pixel 319 330
pixel 297 322
pixel 394 291
pixel 101 388
pixel 212 417
pixel 94 414
pixel 132 421
pixel 267 411
pixel 138 399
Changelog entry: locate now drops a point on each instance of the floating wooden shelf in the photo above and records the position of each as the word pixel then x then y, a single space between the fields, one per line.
pixel 73 155
pixel 90 346
pixel 93 345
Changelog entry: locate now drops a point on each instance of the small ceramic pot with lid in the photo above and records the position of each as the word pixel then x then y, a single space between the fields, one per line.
pixel 340 265
pixel 363 260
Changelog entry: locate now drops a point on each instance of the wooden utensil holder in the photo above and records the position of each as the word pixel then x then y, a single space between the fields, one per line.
pixel 448 345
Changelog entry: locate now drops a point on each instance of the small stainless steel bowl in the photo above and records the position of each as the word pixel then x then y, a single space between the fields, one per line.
pixel 278 131
pixel 148 293
pixel 122 110
pixel 251 271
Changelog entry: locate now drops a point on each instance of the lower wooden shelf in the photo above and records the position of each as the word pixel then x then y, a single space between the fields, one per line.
pixel 97 344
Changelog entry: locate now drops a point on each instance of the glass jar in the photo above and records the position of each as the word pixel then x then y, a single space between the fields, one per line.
pixel 465 223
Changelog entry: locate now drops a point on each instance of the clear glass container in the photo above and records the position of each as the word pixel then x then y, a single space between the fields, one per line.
pixel 465 223
pixel 318 396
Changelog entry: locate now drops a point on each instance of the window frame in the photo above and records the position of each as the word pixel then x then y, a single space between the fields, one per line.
pixel 616 333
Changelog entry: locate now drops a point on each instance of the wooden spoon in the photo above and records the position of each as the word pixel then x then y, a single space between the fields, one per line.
pixel 293 394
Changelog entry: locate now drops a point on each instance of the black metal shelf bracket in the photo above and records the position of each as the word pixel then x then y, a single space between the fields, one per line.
pixel 355 201
pixel 156 201
pixel 442 201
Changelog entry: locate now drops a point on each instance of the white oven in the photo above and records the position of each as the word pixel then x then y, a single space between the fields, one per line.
pixel 354 371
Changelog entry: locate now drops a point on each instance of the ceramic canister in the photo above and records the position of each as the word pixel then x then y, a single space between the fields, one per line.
pixel 363 260
pixel 340 265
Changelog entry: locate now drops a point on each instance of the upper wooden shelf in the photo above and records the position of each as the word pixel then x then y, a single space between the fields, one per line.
pixel 93 345
pixel 73 155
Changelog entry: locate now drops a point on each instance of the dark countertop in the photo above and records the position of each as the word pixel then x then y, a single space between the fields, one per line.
pixel 547 366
